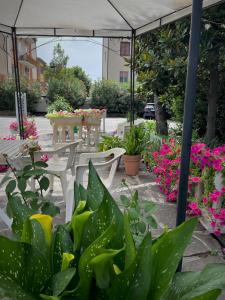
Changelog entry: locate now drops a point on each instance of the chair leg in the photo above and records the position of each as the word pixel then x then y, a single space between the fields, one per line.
pixel 67 196
pixel 51 182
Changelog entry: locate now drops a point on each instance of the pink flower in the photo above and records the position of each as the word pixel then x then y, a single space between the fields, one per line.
pixel 205 200
pixel 217 232
pixel 195 179
pixel 213 224
pixel 44 157
pixel 193 205
pixel 214 195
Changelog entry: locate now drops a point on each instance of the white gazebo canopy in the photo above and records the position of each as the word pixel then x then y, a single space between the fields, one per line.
pixel 100 18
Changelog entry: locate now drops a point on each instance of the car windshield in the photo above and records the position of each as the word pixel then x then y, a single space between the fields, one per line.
pixel 151 106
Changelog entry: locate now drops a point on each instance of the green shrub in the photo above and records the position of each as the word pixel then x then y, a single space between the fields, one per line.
pixel 7 94
pixel 73 89
pixel 114 97
pixel 134 141
pixel 109 142
pixel 95 257
pixel 60 104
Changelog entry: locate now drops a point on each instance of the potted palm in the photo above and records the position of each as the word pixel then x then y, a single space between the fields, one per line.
pixel 134 145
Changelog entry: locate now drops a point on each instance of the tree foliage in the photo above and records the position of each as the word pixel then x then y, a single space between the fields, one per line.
pixel 7 94
pixel 115 97
pixel 71 83
pixel 162 57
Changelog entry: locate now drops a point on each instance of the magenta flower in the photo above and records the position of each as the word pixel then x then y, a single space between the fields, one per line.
pixel 44 157
pixel 195 179
pixel 217 232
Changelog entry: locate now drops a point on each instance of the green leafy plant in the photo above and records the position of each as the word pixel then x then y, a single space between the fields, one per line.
pixel 60 104
pixel 22 200
pixel 139 212
pixel 134 141
pixel 95 257
pixel 109 142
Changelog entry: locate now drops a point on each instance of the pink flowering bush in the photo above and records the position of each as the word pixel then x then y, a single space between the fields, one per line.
pixel 30 128
pixel 204 165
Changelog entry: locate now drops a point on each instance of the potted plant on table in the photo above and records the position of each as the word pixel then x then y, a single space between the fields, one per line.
pixel 134 143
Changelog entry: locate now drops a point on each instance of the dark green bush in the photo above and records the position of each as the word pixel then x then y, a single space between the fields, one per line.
pixel 73 89
pixel 7 94
pixel 114 97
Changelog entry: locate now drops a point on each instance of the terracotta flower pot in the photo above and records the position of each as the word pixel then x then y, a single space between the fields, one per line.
pixel 132 164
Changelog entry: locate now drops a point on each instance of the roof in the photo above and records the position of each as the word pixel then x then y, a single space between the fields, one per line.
pixel 102 18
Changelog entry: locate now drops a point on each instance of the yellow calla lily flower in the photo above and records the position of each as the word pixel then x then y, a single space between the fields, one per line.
pixel 46 224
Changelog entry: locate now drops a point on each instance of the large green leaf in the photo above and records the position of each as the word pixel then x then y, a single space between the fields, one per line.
pixel 85 270
pixel 167 252
pixel 61 243
pixel 77 223
pixel 23 264
pixel 61 280
pixel 130 251
pixel 101 219
pixel 10 290
pixel 134 282
pixel 211 295
pixel 102 266
pixel 20 212
pixel 95 190
pixel 33 234
pixel 193 285
pixel 80 194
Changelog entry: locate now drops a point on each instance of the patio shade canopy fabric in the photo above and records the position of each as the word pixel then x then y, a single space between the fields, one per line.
pixel 100 18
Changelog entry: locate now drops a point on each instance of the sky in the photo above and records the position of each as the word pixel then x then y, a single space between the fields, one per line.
pixel 84 52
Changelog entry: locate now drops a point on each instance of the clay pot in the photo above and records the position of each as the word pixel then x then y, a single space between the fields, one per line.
pixel 132 164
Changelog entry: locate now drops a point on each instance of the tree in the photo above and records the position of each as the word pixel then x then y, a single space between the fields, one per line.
pixel 162 62
pixel 57 64
pixel 78 72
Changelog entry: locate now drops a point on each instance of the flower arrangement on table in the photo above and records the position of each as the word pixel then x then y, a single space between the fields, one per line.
pixel 203 196
pixel 30 128
pixel 79 113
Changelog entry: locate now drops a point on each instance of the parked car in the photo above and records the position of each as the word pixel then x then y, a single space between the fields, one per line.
pixel 149 111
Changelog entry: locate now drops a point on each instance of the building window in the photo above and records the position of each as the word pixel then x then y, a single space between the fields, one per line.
pixel 123 76
pixel 124 48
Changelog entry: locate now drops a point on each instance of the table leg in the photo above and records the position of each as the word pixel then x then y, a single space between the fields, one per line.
pixel 63 135
pixel 55 134
pixel 71 133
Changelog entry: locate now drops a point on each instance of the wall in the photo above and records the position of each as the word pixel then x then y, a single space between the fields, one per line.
pixel 112 62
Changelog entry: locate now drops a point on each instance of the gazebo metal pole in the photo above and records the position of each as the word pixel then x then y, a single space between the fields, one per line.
pixel 190 95
pixel 17 81
pixel 132 79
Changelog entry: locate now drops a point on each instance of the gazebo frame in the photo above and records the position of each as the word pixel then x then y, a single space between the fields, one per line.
pixel 191 80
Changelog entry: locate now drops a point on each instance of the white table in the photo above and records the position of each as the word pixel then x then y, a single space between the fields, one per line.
pixel 11 148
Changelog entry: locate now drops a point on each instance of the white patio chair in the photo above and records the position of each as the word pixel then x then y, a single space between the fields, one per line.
pixel 59 164
pixel 104 162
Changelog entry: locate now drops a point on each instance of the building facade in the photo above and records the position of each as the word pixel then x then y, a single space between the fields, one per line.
pixel 30 66
pixel 114 66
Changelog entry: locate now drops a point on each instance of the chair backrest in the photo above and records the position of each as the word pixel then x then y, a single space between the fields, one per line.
pixel 110 163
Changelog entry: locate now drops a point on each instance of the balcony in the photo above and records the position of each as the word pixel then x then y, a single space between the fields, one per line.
pixel 28 61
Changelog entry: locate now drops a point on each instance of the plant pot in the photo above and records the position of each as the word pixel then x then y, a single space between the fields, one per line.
pixel 132 164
